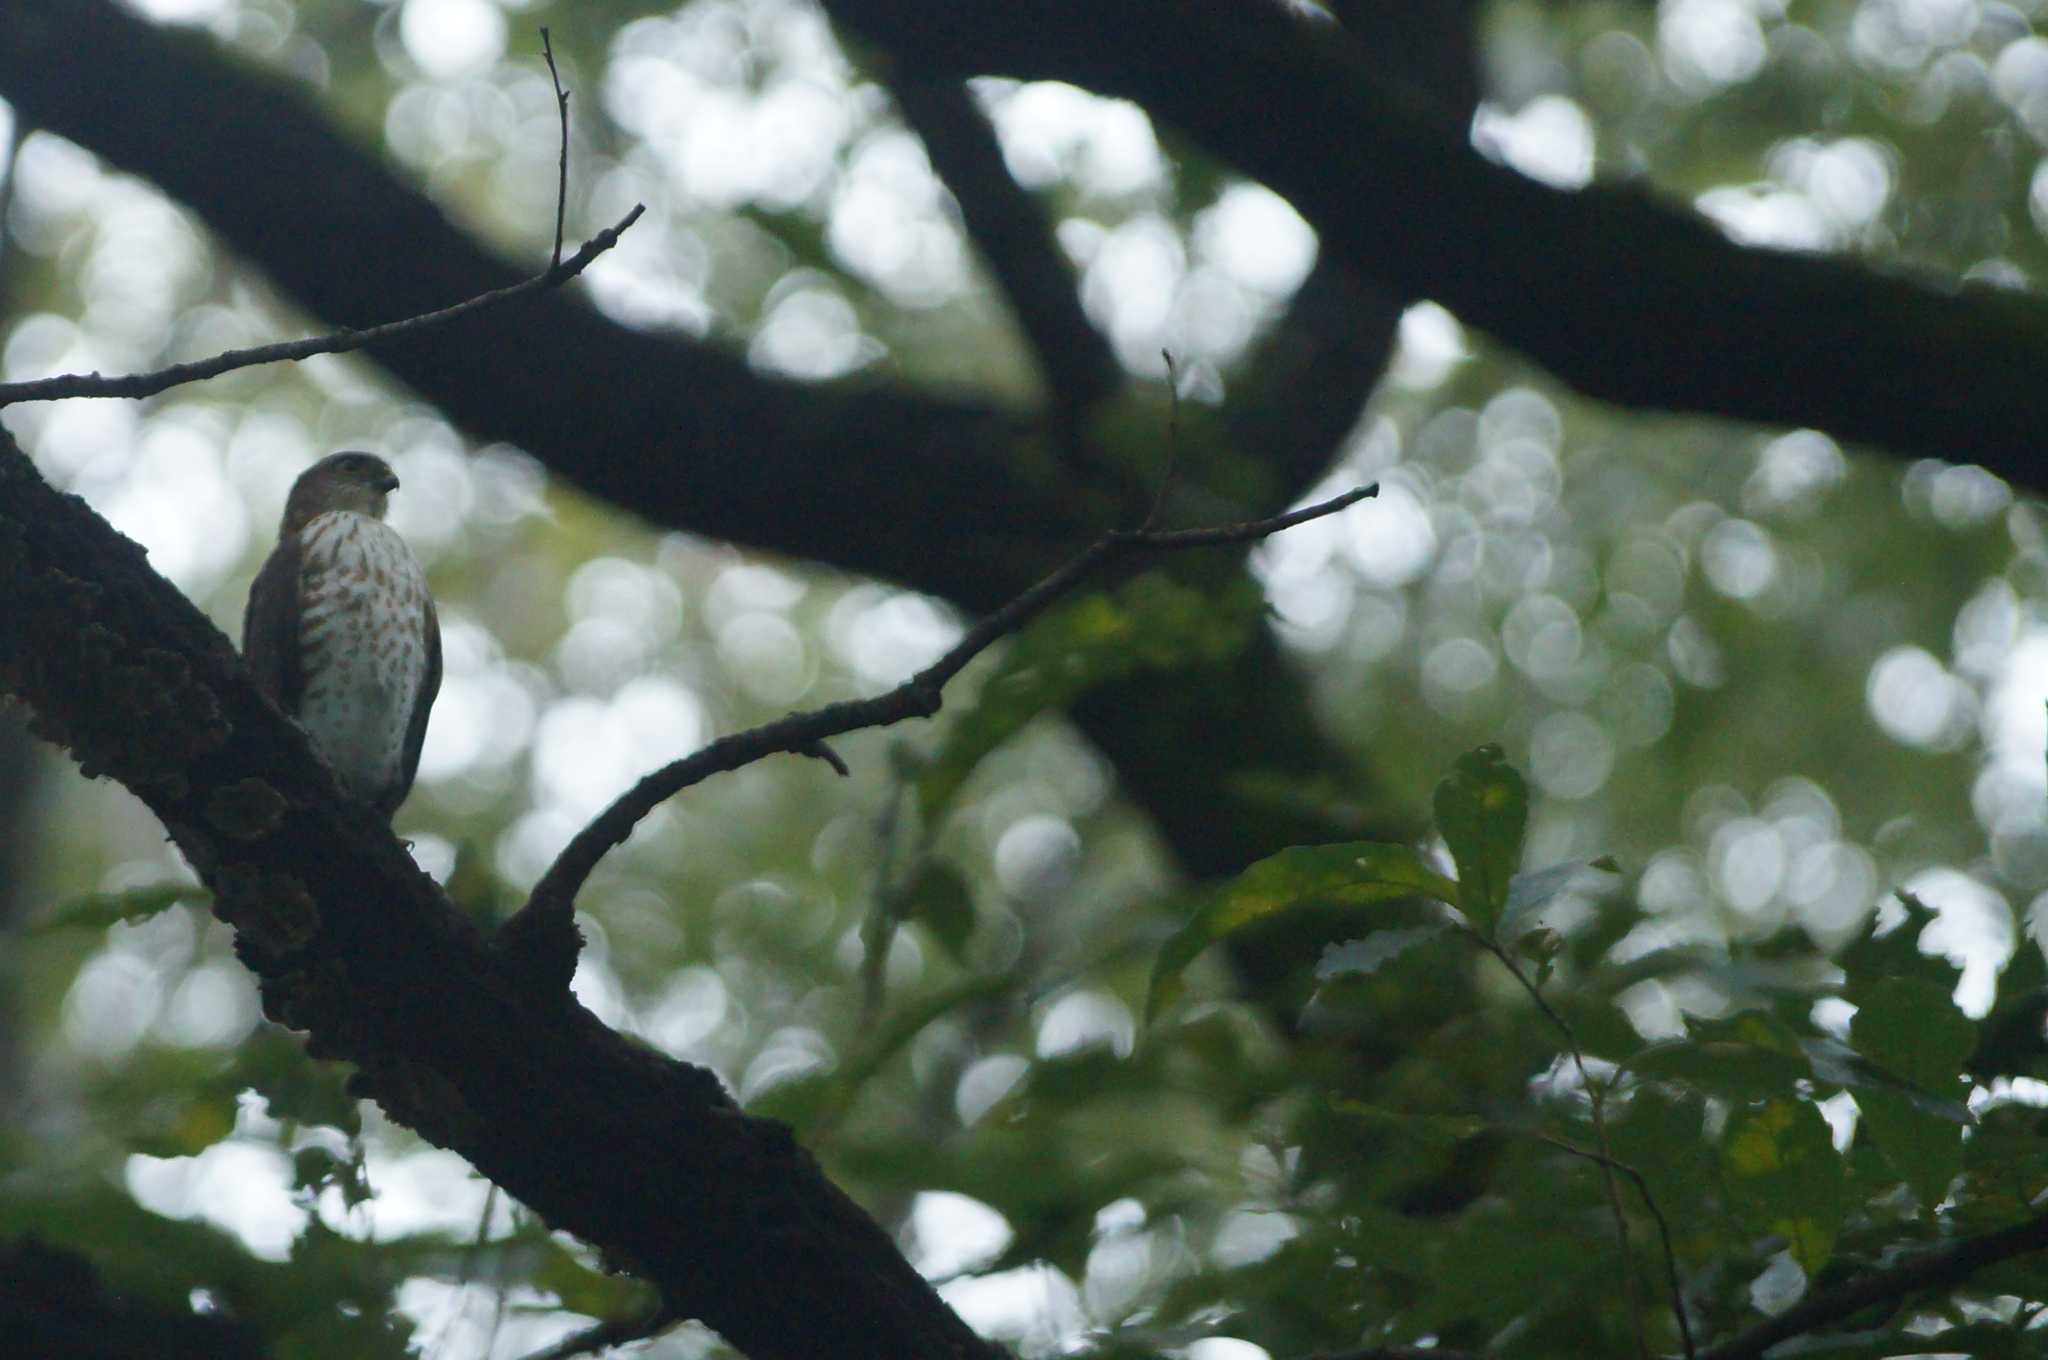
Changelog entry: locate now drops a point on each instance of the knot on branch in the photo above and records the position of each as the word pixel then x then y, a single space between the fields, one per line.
pixel 273 915
pixel 538 947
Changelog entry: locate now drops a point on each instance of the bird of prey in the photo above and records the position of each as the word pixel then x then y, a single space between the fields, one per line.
pixel 341 632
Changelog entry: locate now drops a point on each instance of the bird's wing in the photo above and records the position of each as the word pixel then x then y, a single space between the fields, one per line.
pixel 423 701
pixel 270 626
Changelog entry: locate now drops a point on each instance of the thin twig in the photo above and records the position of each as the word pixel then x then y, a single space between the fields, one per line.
pixel 617 1332
pixel 547 49
pixel 1631 1295
pixel 917 697
pixel 557 273
pixel 878 932
pixel 1172 440
pixel 1663 1229
pixel 1946 1266
pixel 339 342
pixel 9 180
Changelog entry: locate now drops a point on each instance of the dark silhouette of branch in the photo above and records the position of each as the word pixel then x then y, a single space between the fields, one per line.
pixel 539 940
pixel 1014 238
pixel 547 49
pixel 646 1158
pixel 680 433
pixel 1937 1269
pixel 56 1305
pixel 1617 292
pixel 605 1335
pixel 340 342
pixel 1300 391
pixel 337 342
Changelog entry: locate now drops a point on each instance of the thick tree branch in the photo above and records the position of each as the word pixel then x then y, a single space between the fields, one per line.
pixel 1015 240
pixel 1615 291
pixel 645 1157
pixel 681 433
pixel 1939 1269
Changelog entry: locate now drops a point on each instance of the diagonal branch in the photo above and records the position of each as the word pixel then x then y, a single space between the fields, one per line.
pixel 1015 242
pixel 646 1158
pixel 1938 1269
pixel 1617 292
pixel 540 935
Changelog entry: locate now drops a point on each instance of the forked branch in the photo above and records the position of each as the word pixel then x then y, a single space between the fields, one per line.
pixel 547 912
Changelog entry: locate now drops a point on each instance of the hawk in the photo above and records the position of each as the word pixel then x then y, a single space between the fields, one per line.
pixel 341 632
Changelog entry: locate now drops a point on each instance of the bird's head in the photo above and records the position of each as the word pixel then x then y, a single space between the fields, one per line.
pixel 361 482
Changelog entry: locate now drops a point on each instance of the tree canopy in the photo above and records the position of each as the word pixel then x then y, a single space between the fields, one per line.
pixel 1579 898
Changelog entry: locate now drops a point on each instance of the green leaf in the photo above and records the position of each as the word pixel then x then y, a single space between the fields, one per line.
pixel 1529 893
pixel 1896 952
pixel 1482 810
pixel 1914 1030
pixel 1783 1176
pixel 1151 622
pixel 939 897
pixel 1364 957
pixel 1836 1064
pixel 1755 1055
pixel 1751 1056
pixel 97 911
pixel 1351 873
pixel 1436 1129
pixel 295 1088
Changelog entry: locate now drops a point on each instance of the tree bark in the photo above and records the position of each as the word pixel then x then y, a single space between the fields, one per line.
pixel 646 1158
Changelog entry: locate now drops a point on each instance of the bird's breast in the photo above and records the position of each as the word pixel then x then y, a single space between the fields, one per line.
pixel 363 646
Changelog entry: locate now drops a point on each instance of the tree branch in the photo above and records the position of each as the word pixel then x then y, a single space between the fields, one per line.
pixel 1618 293
pixel 1937 1269
pixel 678 432
pixel 644 1157
pixel 539 939
pixel 337 342
pixel 1015 241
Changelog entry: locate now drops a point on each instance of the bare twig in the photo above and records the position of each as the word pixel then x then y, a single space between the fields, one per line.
pixel 879 930
pixel 604 1335
pixel 1663 1230
pixel 547 49
pixel 917 697
pixel 1172 441
pixel 339 342
pixel 1596 1095
pixel 1948 1265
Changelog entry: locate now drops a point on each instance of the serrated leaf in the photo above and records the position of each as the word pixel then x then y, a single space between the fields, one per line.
pixel 1363 957
pixel 1914 1030
pixel 97 911
pixel 1745 1057
pixel 1894 950
pixel 1836 1064
pixel 1754 1055
pixel 1353 873
pixel 1150 622
pixel 1482 811
pixel 1783 1176
pixel 1529 893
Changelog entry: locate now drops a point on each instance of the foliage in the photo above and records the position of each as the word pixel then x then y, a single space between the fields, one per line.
pixel 1776 680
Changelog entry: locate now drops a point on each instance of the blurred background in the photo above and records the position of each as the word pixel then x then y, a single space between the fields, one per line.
pixel 1776 677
